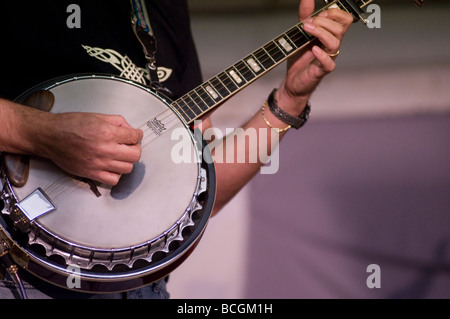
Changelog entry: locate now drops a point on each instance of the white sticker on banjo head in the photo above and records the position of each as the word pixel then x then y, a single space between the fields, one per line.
pixel 36 204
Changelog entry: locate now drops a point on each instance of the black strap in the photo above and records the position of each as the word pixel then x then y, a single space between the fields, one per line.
pixel 293 121
pixel 144 33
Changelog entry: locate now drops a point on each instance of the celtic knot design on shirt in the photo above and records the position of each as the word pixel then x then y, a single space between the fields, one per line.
pixel 124 64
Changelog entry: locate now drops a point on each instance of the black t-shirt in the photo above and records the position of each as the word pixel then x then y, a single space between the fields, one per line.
pixel 39 42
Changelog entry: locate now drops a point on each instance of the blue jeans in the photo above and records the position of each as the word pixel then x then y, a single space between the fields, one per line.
pixel 42 290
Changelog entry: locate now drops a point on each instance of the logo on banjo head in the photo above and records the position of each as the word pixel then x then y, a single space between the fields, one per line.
pixel 156 126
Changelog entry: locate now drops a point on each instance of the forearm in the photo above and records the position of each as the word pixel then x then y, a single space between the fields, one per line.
pixel 21 127
pixel 305 72
pixel 96 146
pixel 257 141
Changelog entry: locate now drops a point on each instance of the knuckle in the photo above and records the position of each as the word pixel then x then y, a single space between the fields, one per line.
pixel 118 117
pixel 335 44
pixel 137 136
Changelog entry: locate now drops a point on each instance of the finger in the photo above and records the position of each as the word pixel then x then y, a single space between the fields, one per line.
pixel 329 41
pixel 127 153
pixel 298 62
pixel 111 153
pixel 128 136
pixel 106 177
pixel 340 16
pixel 306 9
pixel 119 167
pixel 333 27
pixel 325 63
pixel 111 172
pixel 125 133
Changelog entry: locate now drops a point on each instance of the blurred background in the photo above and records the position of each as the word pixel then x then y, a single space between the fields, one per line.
pixel 366 181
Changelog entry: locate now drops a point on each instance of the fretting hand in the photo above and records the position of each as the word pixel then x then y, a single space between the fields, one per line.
pixel 308 68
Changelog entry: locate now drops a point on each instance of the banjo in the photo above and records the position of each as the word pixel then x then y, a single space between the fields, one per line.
pixel 81 235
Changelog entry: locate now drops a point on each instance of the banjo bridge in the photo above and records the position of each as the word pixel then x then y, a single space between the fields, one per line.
pixel 92 186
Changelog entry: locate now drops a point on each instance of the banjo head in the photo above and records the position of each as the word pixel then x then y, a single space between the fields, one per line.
pixel 138 230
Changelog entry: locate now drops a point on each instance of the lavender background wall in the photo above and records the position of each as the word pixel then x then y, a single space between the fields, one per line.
pixel 350 194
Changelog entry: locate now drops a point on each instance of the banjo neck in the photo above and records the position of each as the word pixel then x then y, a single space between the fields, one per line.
pixel 212 93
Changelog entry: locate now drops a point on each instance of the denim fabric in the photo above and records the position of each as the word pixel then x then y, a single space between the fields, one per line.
pixel 42 290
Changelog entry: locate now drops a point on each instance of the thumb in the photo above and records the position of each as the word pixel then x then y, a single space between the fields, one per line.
pixel 305 9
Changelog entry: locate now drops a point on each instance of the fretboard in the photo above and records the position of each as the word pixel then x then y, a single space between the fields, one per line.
pixel 210 94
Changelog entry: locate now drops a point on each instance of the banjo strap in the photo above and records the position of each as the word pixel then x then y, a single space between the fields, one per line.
pixel 144 33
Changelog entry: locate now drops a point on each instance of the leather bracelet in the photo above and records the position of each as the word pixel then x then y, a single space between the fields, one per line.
pixel 295 122
pixel 278 130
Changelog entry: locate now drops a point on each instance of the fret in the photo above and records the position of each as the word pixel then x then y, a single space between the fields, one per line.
pixel 184 110
pixel 363 3
pixel 206 97
pixel 235 76
pixel 255 67
pixel 227 82
pixel 268 54
pixel 245 71
pixel 220 87
pixel 177 107
pixel 211 91
pixel 297 37
pixel 275 52
pixel 198 101
pixel 359 3
pixel 264 59
pixel 192 105
pixel 342 6
pixel 238 72
pixel 284 43
pixel 307 36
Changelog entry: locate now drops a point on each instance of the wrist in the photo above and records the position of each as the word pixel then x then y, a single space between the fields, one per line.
pixel 272 120
pixel 18 132
pixel 294 121
pixel 38 125
pixel 291 104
